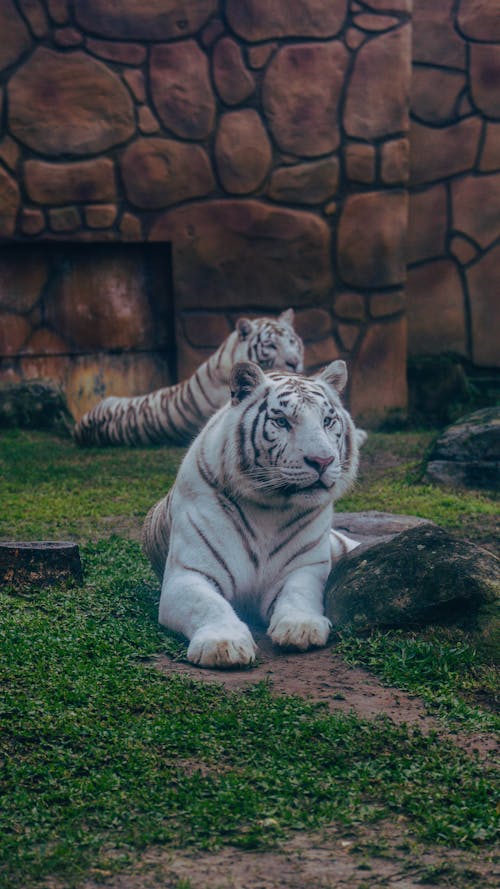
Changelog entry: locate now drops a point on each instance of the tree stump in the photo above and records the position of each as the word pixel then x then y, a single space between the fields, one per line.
pixel 40 563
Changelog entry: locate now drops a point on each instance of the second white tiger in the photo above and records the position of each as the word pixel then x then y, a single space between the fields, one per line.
pixel 248 521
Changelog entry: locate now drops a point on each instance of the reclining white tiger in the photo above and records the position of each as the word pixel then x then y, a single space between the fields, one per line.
pixel 248 520
pixel 176 413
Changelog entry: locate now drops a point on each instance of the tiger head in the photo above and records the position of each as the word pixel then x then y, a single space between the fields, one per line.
pixel 293 435
pixel 271 342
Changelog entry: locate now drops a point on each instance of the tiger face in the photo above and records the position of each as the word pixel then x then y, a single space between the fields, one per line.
pixel 270 343
pixel 294 435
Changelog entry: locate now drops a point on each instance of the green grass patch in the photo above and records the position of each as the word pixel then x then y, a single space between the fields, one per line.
pixel 99 751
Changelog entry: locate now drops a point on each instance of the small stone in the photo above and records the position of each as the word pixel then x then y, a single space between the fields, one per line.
pixel 319 353
pixel 148 124
pixel 58 11
pixel 67 37
pixel 490 155
pixel 100 215
pixel 435 309
pixel 21 283
pixel 181 90
pixel 9 204
pixel 301 95
pixel 376 98
pixel 348 334
pixel 394 167
pixel 136 20
pixel 439 153
pixel 396 5
pixel 331 208
pixel 369 22
pixel 243 151
pixel 9 152
pixel 233 81
pixel 349 306
pixel 205 330
pixel 35 14
pixel 476 203
pixel 159 172
pixel 310 183
pixel 78 182
pixel 467 453
pixel 313 324
pixel 435 39
pixel 130 228
pixel 482 278
pixel 378 258
pixel 136 81
pixel 383 305
pixel 479 20
pixel 354 39
pixel 45 342
pixel 427 224
pixel 463 250
pixel 485 77
pixel 378 386
pixel 360 162
pixel 32 221
pixel 14 331
pixel 64 219
pixel 125 53
pixel 15 36
pixel 257 20
pixel 434 93
pixel 212 32
pixel 258 56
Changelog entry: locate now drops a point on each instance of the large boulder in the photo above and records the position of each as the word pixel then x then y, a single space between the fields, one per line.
pixel 467 453
pixel 421 576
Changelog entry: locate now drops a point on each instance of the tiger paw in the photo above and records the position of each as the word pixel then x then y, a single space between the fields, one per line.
pixel 302 632
pixel 210 647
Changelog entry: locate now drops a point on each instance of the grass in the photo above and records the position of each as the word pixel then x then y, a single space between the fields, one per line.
pixel 102 756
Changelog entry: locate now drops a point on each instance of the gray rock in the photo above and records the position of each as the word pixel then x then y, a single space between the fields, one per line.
pixel 422 576
pixel 35 404
pixel 467 454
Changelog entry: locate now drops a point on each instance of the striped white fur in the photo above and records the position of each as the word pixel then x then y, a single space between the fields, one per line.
pixel 247 524
pixel 176 413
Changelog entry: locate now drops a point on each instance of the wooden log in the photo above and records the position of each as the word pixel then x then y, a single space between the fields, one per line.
pixel 39 562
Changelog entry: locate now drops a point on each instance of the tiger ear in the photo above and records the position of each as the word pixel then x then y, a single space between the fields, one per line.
pixel 287 317
pixel 335 374
pixel 245 377
pixel 244 327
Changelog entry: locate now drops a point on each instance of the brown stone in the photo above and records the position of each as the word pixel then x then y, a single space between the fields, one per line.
pixel 212 32
pixel 206 330
pixel 35 14
pixel 136 81
pixel 15 36
pixel 427 224
pixel 378 376
pixel 125 53
pixel 21 281
pixel 465 106
pixel 160 172
pixel 396 5
pixel 14 331
pixel 100 215
pixel 435 309
pixel 376 99
pixel 181 89
pixel 130 227
pixel 462 249
pixel 257 20
pixel 434 93
pixel 258 56
pixel 313 324
pixel 67 37
pixel 349 306
pixel 9 204
pixel 9 152
pixel 485 77
pixel 32 221
pixel 490 155
pixel 371 239
pixel 79 182
pixel 331 208
pixel 360 162
pixel 310 183
pixel 368 22
pixel 243 152
pixel 437 153
pixel 395 162
pixel 68 103
pixel 476 207
pixel 385 304
pixel 348 334
pixel 64 219
pixel 482 279
pixel 301 94
pixel 247 253
pixel 45 342
pixel 148 124
pixel 479 20
pixel 435 39
pixel 233 81
pixel 319 353
pixel 354 38
pixel 136 20
pixel 58 11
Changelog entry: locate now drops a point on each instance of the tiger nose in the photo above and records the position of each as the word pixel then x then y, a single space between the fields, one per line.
pixel 319 463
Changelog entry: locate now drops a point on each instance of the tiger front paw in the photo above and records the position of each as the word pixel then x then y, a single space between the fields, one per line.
pixel 211 647
pixel 302 631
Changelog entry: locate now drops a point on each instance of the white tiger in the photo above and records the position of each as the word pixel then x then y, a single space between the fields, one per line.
pixel 176 413
pixel 248 520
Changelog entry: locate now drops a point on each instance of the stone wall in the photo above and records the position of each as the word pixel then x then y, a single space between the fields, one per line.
pixel 454 221
pixel 266 141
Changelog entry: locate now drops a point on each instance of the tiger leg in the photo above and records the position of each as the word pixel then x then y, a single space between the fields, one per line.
pixel 190 604
pixel 298 619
